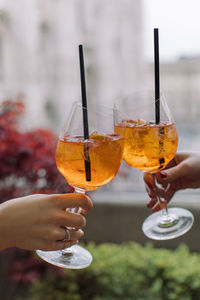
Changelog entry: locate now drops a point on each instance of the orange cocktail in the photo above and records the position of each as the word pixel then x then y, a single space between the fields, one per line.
pixel 149 147
pixel 105 153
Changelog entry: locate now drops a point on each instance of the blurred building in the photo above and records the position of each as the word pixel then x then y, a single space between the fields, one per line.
pixel 180 82
pixel 39 53
pixel 182 85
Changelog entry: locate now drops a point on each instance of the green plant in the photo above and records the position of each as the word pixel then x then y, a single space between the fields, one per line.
pixel 127 271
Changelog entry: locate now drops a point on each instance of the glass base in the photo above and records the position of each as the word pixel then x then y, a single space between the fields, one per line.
pixel 157 228
pixel 75 257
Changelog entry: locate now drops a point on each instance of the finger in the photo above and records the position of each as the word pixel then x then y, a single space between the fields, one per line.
pixel 68 219
pixel 59 234
pixel 152 202
pixel 150 192
pixel 172 174
pixel 83 211
pixel 169 193
pixel 72 200
pixel 72 235
pixel 156 207
pixel 159 192
pixel 149 179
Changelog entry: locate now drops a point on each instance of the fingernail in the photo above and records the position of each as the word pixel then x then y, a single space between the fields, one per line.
pixel 163 174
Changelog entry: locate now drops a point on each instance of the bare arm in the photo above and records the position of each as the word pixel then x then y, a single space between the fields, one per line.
pixel 38 221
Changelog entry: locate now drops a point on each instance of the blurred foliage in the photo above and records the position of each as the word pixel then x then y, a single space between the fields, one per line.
pixel 27 158
pixel 127 271
pixel 27 166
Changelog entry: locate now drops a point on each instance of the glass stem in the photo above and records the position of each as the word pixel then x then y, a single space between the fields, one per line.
pixel 166 220
pixel 165 212
pixel 69 251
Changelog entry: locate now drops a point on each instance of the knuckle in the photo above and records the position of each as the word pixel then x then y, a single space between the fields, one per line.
pixel 54 217
pixel 53 200
pixel 82 221
pixel 54 234
pixel 62 221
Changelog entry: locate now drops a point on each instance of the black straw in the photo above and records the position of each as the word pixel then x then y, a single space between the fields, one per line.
pixel 157 76
pixel 85 115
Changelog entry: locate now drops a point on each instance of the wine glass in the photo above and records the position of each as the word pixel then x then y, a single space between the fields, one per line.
pixel 150 147
pixel 86 165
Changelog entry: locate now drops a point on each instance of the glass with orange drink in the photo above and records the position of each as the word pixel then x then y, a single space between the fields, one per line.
pixel 86 165
pixel 150 147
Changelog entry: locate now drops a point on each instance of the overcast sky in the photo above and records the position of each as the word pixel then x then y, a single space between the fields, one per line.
pixel 179 27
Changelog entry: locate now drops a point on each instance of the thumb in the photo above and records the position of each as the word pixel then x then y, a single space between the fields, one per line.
pixel 172 174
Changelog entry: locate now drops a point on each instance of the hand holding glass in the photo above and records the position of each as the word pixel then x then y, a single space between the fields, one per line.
pixel 150 147
pixel 86 165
